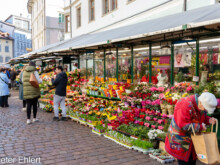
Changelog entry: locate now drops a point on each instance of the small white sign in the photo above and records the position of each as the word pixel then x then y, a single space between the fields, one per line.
pixel 196 78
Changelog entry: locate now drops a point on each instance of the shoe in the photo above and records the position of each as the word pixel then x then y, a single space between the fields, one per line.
pixel 35 120
pixel 7 106
pixel 56 119
pixel 64 119
pixel 23 109
pixel 28 121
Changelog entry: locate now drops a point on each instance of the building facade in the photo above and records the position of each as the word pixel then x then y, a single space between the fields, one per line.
pixel 6 47
pixel 87 16
pixel 22 34
pixel 46 28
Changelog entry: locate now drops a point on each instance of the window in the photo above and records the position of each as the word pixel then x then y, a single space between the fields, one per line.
pixel 67 23
pixel 6 48
pixel 105 6
pixel 91 10
pixel 7 59
pixel 1 59
pixel 109 5
pixel 61 18
pixel 78 14
pixel 113 4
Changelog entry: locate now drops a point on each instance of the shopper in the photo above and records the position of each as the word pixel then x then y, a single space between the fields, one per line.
pixel 13 77
pixel 189 111
pixel 21 96
pixel 30 93
pixel 4 90
pixel 60 81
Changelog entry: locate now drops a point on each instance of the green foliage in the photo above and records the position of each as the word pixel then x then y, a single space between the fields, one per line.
pixel 179 77
pixel 142 144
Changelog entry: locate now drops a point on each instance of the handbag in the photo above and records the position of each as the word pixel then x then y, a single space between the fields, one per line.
pixel 206 146
pixel 33 81
pixel 3 80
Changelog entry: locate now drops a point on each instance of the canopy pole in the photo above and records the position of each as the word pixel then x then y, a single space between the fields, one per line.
pixel 70 64
pixel 104 65
pixel 86 67
pixel 94 66
pixel 172 65
pixel 132 63
pixel 197 59
pixel 79 61
pixel 117 63
pixel 150 63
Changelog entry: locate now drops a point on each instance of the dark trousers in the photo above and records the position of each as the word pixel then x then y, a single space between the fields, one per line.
pixel 190 161
pixel 4 101
pixel 30 103
pixel 24 103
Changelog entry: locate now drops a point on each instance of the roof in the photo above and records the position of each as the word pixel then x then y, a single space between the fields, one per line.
pixel 6 23
pixel 194 18
pixel 23 18
pixel 151 27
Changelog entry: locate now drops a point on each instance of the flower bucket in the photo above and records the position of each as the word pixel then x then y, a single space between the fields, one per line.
pixel 96 93
pixel 163 108
pixel 170 109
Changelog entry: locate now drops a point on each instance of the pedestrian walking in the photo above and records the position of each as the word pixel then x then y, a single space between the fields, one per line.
pixel 30 93
pixel 21 94
pixel 60 82
pixel 4 90
pixel 13 77
pixel 189 112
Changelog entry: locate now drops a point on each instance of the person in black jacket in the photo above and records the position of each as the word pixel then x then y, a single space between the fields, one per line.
pixel 60 82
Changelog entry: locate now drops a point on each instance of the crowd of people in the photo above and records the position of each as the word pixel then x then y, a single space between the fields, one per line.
pixel 28 93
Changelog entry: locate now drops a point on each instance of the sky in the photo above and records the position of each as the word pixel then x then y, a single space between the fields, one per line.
pixel 15 7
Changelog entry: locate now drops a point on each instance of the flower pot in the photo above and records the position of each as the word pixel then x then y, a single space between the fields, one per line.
pixel 156 144
pixel 163 108
pixel 170 109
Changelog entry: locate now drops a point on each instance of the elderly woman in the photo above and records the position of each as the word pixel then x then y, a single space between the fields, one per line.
pixel 189 112
pixel 4 90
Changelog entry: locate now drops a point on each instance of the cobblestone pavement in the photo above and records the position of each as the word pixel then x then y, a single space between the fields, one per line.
pixel 57 142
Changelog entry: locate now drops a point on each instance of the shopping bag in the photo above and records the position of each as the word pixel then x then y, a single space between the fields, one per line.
pixel 206 146
pixel 33 81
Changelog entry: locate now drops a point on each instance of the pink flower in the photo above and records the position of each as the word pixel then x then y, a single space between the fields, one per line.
pixel 170 116
pixel 153 126
pixel 160 121
pixel 147 118
pixel 160 127
pixel 164 115
pixel 160 89
pixel 161 96
pixel 153 89
pixel 189 89
pixel 136 122
pixel 147 124
pixel 148 102
pixel 155 119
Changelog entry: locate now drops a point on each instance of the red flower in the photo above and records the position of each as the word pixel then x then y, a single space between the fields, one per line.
pixel 141 123
pixel 142 116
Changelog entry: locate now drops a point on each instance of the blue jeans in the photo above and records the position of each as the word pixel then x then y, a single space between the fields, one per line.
pixel 59 100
